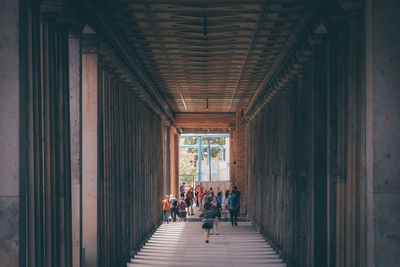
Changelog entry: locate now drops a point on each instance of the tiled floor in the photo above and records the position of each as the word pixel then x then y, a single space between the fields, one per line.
pixel 182 244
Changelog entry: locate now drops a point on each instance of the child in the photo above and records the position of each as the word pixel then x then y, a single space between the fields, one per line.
pixel 182 209
pixel 166 208
pixel 208 216
pixel 217 210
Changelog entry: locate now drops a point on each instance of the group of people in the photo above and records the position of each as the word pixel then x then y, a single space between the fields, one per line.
pixel 212 206
pixel 179 207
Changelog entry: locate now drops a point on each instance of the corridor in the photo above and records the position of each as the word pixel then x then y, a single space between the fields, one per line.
pixel 296 103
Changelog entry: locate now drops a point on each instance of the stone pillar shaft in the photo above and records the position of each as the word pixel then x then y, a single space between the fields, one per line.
pixel 75 89
pixel 89 154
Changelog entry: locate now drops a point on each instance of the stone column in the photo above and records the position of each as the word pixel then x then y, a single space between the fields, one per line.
pixel 383 131
pixel 240 144
pixel 165 126
pixel 75 90
pixel 89 146
pixel 10 143
pixel 174 160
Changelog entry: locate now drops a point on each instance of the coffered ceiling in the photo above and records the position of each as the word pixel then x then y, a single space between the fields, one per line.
pixel 208 55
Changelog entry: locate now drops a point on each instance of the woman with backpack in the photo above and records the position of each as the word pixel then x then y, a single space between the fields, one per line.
pixel 182 209
pixel 217 210
pixel 234 204
pixel 174 207
pixel 208 216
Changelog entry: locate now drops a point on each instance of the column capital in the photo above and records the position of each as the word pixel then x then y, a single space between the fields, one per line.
pixel 166 123
pixel 90 40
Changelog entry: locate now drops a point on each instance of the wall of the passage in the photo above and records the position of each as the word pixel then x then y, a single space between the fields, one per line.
pixel 383 130
pixel 306 155
pixel 130 181
pixel 10 175
pixel 45 215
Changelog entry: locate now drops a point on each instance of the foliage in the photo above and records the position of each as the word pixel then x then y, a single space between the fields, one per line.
pixel 186 167
pixel 213 141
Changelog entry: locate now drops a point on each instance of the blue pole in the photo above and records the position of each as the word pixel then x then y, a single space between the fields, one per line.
pixel 199 153
pixel 208 158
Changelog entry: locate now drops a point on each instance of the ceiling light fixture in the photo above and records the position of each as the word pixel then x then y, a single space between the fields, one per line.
pixel 183 101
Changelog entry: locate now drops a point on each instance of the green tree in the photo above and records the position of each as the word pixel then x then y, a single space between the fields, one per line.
pixel 222 141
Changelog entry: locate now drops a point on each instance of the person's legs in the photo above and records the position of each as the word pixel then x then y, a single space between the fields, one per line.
pixel 166 216
pixel 215 228
pixel 236 214
pixel 191 208
pixel 232 215
pixel 207 234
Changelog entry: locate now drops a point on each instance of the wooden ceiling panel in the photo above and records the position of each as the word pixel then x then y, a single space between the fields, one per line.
pixel 218 50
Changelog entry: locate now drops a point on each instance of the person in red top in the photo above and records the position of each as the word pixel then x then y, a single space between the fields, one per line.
pixel 166 208
pixel 200 190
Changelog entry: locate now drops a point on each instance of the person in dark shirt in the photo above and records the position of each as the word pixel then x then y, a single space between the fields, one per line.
pixel 217 209
pixel 173 207
pixel 208 217
pixel 234 205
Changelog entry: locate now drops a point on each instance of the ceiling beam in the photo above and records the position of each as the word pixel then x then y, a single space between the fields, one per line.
pixel 204 120
pixel 284 53
pixel 105 23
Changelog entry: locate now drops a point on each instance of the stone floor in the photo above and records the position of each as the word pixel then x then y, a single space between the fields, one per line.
pixel 182 244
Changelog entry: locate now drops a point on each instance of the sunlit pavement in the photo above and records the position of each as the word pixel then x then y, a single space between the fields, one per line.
pixel 183 244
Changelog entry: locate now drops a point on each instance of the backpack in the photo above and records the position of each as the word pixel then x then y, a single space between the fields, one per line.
pixel 187 201
pixel 174 203
pixel 235 200
pixel 182 205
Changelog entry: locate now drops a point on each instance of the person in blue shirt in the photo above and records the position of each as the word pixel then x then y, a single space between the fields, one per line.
pixel 219 198
pixel 234 205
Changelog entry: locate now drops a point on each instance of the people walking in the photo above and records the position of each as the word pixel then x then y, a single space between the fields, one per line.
pixel 225 205
pixel 208 216
pixel 196 195
pixel 187 203
pixel 200 190
pixel 190 195
pixel 173 207
pixel 219 198
pixel 182 188
pixel 217 209
pixel 237 192
pixel 182 208
pixel 166 208
pixel 234 205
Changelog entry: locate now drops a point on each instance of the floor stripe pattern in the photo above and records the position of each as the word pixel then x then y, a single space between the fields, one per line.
pixel 183 244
